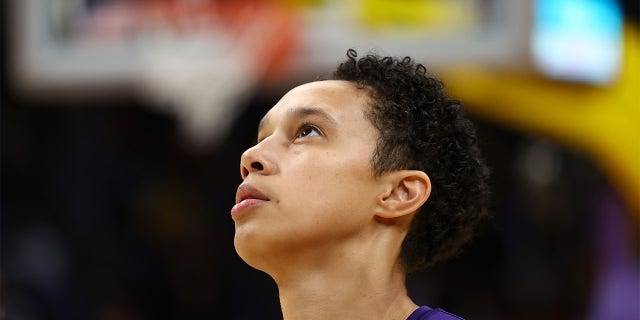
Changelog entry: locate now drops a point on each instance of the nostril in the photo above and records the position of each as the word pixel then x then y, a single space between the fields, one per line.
pixel 245 172
pixel 257 166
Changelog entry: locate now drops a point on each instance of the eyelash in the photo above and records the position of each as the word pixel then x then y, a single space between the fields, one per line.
pixel 299 131
pixel 305 126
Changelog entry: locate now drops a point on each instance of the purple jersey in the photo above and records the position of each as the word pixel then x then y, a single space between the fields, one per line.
pixel 426 313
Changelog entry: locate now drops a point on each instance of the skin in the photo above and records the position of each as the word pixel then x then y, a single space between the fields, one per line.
pixel 331 231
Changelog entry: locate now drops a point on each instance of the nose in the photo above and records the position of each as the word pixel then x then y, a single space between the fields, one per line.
pixel 255 160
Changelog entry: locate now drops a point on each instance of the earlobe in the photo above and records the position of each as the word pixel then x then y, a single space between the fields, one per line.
pixel 408 191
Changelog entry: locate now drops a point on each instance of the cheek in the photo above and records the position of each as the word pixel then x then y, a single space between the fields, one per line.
pixel 322 176
pixel 331 189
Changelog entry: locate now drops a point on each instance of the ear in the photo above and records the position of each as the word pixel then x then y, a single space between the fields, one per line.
pixel 407 191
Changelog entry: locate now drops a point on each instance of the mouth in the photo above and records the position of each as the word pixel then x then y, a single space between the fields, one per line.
pixel 247 191
pixel 248 197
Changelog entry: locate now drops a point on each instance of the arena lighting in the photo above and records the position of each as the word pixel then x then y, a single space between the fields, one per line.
pixel 578 40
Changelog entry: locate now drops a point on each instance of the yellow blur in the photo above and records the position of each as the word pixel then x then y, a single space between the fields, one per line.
pixel 601 121
pixel 419 14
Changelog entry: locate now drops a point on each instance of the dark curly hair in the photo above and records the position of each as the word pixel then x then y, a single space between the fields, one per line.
pixel 421 128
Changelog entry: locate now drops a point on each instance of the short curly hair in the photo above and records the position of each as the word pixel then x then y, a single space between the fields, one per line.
pixel 421 128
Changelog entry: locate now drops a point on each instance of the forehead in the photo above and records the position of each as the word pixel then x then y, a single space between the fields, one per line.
pixel 341 100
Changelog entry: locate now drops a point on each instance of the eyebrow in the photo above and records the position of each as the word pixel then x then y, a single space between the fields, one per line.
pixel 301 112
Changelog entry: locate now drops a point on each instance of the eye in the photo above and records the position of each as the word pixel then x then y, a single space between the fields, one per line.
pixel 308 130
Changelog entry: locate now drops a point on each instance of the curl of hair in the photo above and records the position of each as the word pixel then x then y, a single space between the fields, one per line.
pixel 421 128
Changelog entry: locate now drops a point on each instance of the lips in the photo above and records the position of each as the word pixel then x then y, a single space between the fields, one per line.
pixel 247 197
pixel 247 191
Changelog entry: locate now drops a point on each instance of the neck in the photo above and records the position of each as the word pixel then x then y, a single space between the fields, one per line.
pixel 322 296
pixel 346 286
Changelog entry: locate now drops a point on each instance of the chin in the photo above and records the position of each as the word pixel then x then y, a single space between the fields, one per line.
pixel 251 248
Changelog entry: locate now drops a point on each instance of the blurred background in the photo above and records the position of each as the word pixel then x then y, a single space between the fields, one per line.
pixel 122 125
